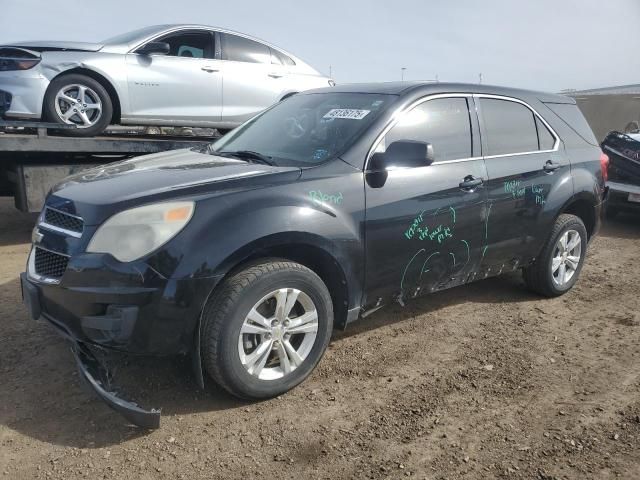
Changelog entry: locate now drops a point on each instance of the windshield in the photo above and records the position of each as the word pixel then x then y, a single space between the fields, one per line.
pixel 133 36
pixel 306 129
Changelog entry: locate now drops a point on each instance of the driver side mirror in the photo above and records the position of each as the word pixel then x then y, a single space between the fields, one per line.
pixel 402 154
pixel 157 48
pixel 398 155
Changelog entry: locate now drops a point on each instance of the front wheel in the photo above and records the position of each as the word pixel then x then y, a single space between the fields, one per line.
pixel 266 328
pixel 78 100
pixel 557 268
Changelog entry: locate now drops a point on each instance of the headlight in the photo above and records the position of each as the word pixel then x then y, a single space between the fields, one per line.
pixel 134 233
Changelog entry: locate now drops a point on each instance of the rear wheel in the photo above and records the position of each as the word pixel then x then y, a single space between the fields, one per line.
pixel 266 328
pixel 78 100
pixel 559 265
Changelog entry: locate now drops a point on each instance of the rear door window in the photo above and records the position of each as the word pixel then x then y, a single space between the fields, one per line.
pixel 442 122
pixel 190 44
pixel 509 127
pixel 241 49
pixel 546 140
pixel 279 58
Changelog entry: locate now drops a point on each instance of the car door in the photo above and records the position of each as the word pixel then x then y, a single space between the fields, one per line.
pixel 524 164
pixel 183 87
pixel 253 78
pixel 424 224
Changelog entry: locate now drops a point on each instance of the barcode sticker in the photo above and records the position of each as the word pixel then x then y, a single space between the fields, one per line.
pixel 349 113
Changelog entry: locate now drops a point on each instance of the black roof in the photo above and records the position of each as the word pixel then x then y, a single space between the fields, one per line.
pixel 427 88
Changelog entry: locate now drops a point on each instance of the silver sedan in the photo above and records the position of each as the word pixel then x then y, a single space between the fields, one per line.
pixel 173 75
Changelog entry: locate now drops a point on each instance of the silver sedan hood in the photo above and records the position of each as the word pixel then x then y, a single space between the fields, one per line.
pixel 40 46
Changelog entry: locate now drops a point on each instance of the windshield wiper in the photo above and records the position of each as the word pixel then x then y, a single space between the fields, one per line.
pixel 248 155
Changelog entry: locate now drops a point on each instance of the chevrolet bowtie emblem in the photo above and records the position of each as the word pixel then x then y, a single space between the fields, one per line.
pixel 36 236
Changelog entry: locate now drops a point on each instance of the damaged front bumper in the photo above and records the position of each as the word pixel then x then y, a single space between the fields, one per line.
pixel 98 378
pixel 96 374
pixel 22 93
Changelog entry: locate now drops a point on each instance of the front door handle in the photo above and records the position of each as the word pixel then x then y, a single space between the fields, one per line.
pixel 551 167
pixel 276 75
pixel 209 69
pixel 469 183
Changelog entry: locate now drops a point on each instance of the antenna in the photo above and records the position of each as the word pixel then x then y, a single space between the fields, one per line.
pixel 480 78
pixel 402 69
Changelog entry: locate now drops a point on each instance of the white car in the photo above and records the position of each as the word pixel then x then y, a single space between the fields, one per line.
pixel 180 75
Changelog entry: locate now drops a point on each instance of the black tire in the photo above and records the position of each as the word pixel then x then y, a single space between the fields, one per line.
pixel 539 276
pixel 227 309
pixel 51 115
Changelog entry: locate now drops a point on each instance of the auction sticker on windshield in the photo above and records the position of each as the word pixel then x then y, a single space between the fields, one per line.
pixel 349 113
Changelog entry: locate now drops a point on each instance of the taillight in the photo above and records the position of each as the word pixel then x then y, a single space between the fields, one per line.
pixel 604 166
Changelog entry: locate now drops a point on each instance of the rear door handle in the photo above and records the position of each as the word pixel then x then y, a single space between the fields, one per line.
pixel 209 69
pixel 276 75
pixel 470 182
pixel 551 167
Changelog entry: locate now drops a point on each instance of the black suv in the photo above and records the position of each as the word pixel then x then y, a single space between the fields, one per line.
pixel 314 213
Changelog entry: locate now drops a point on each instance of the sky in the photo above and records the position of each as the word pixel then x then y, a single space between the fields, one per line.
pixel 543 44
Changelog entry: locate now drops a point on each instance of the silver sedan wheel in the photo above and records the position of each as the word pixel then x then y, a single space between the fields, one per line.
pixel 278 334
pixel 566 257
pixel 79 105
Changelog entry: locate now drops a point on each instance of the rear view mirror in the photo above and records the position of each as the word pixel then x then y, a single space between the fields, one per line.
pixel 157 48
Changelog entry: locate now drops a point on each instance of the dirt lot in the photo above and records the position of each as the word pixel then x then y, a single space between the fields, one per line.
pixel 481 381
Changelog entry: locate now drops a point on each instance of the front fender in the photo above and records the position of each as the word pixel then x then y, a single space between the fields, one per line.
pixel 110 66
pixel 323 210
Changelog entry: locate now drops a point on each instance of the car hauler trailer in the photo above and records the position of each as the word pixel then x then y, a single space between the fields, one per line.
pixel 32 161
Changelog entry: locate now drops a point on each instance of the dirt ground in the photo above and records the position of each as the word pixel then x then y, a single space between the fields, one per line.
pixel 482 381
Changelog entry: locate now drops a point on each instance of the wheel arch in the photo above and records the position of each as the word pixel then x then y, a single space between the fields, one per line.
pixel 582 206
pixel 314 253
pixel 102 80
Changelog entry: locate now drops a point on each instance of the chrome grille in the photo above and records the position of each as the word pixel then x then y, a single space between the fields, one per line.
pixel 63 220
pixel 50 264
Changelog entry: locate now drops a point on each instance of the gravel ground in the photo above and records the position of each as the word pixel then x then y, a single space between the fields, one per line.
pixel 481 381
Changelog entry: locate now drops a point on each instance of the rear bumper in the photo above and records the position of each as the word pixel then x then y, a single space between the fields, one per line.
pixel 619 194
pixel 23 94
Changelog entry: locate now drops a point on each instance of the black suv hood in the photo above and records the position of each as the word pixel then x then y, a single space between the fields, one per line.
pixel 97 193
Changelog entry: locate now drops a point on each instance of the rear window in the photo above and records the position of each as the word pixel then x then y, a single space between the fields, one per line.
pixel 510 127
pixel 572 116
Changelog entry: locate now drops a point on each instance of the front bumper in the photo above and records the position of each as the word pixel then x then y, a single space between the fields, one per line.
pixel 91 369
pixel 22 93
pixel 102 304
pixel 127 307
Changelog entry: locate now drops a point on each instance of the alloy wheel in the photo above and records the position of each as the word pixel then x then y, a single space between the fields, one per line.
pixel 78 105
pixel 566 257
pixel 278 334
